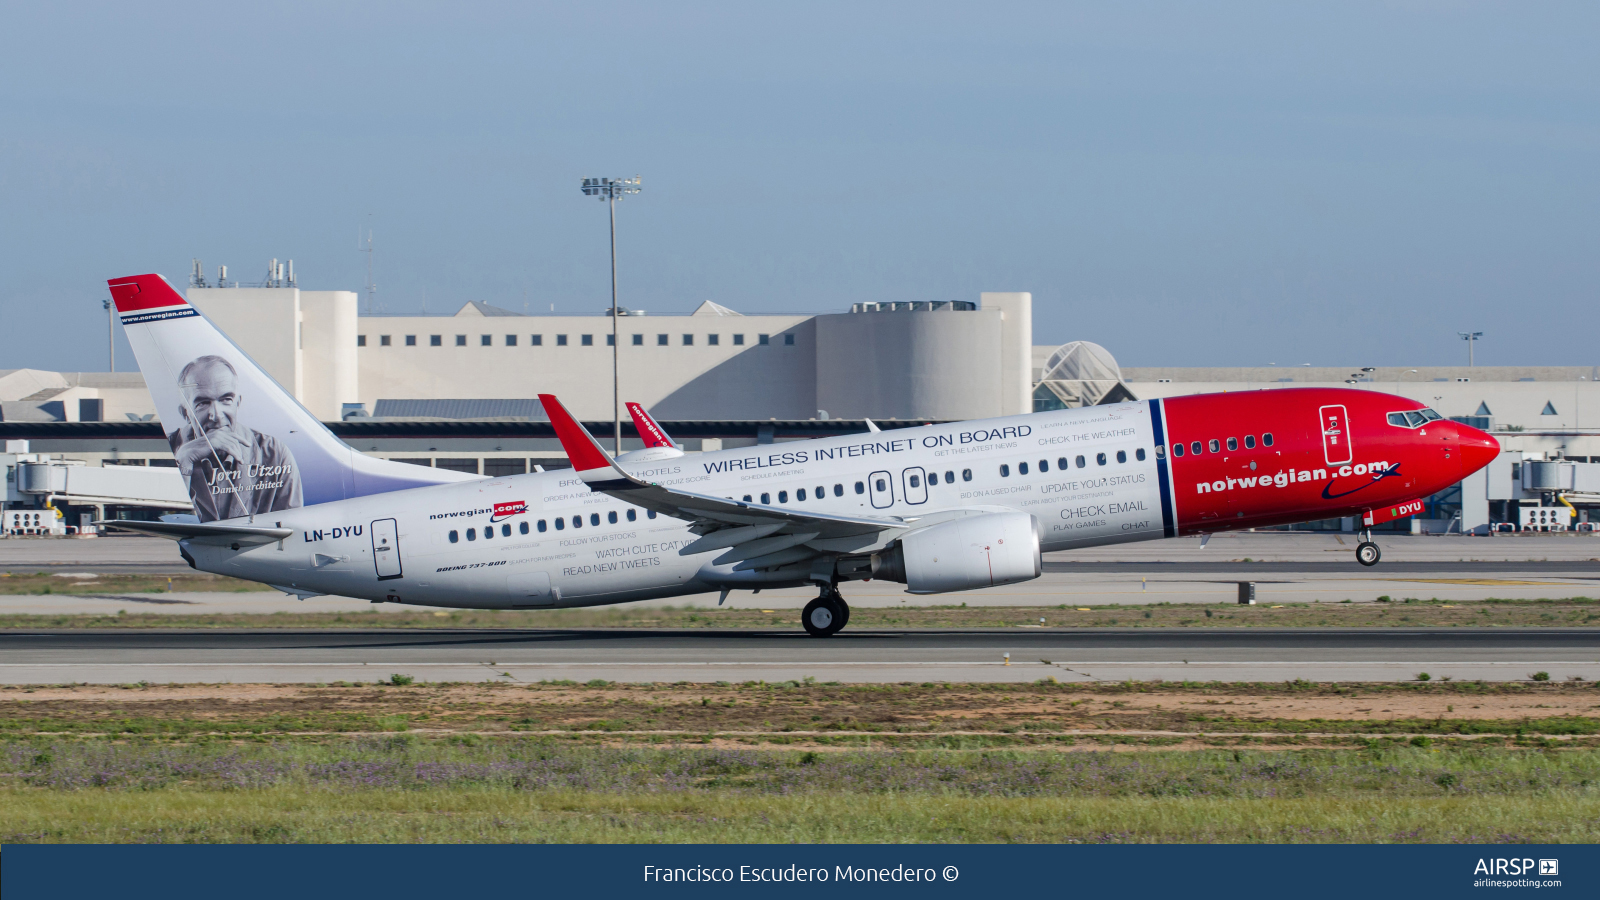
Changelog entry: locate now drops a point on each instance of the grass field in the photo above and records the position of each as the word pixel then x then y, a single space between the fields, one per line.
pixel 805 762
pixel 1401 612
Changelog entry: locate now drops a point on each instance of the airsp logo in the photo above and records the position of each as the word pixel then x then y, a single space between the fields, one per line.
pixel 1515 867
pixel 1549 867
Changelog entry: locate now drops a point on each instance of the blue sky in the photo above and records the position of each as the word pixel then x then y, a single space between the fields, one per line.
pixel 1187 184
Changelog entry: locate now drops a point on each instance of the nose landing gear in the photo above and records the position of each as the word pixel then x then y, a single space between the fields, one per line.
pixel 824 616
pixel 1367 553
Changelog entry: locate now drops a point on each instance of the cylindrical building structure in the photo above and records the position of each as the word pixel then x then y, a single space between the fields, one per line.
pixel 910 361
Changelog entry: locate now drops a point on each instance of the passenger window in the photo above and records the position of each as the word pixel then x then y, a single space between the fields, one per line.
pixel 650 515
pixel 1161 451
pixel 1249 442
pixel 1139 454
pixel 766 499
pixel 747 498
pixel 966 474
pixel 1005 471
pixel 542 525
pixel 1266 439
pixel 800 495
pixel 1215 446
pixel 1062 463
pixel 1099 459
pixel 611 517
pixel 577 521
pixel 915 481
pixel 522 527
pixel 1196 448
pixel 838 490
pixel 949 477
pixel 822 491
pixel 1022 468
pixel 633 515
pixel 1233 443
pixel 1081 462
pixel 1177 449
pixel 472 534
pixel 594 519
pixel 1122 456
pixel 783 496
pixel 881 485
pixel 488 532
pixel 861 487
pixel 454 536
pixel 561 524
pixel 505 530
pixel 1044 465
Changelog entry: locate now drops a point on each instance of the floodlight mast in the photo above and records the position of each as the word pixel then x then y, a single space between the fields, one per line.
pixel 1471 337
pixel 611 190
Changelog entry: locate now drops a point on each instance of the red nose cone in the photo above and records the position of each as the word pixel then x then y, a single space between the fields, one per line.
pixel 1477 449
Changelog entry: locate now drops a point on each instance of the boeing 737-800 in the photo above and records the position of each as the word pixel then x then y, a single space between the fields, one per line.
pixel 941 508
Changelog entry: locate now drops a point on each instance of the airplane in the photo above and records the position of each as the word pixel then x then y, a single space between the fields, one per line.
pixel 940 508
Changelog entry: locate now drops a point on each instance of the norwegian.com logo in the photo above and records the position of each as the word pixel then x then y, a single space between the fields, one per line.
pixel 1377 470
pixel 503 511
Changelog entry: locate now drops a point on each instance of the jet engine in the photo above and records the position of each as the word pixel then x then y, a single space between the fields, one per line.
pixel 963 554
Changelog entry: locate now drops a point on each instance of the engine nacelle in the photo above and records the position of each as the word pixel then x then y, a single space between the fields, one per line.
pixel 963 554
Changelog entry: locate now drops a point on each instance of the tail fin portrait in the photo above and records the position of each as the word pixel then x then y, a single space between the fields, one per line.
pixel 244 445
pixel 650 432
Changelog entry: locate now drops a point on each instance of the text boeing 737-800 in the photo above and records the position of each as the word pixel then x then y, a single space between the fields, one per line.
pixel 940 508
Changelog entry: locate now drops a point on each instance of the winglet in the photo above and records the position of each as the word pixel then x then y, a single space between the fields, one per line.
pixel 137 292
pixel 588 460
pixel 650 432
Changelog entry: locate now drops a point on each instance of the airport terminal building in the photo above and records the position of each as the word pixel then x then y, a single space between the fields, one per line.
pixel 459 391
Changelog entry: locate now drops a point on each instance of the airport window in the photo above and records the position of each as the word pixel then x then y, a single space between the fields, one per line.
pixel 861 487
pixel 511 340
pixel 788 340
pixel 594 519
pixel 661 340
pixel 799 495
pixel 1233 443
pixel 561 524
pixel 1249 442
pixel 383 340
pixel 1266 439
pixel 915 481
pixel 763 339
pixel 1005 471
pixel 485 340
pixel 587 340
pixel 1022 468
pixel 650 515
pixel 1080 462
pixel 472 534
pixel 461 340
pixel 712 339
pixel 522 527
pixel 435 340
pixel 838 490
pixel 783 496
pixel 881 485
pixel 633 515
pixel 688 340
pixel 966 474
pixel 1139 454
pixel 738 340
pixel 1177 449
pixel 1122 456
pixel 611 340
pixel 1197 448
pixel 638 340
pixel 500 467
pixel 542 525
pixel 411 340
pixel 535 340
pixel 455 536
pixel 1099 459
pixel 766 499
pixel 611 517
pixel 561 340
pixel 577 521
pixel 361 340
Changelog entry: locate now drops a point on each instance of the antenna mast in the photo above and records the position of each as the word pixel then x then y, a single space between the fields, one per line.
pixel 372 289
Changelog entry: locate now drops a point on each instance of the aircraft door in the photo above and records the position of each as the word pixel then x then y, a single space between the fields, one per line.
pixel 386 549
pixel 914 485
pixel 880 486
pixel 530 589
pixel 1336 447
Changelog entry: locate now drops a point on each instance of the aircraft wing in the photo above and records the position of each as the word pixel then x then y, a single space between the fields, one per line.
pixel 754 535
pixel 177 531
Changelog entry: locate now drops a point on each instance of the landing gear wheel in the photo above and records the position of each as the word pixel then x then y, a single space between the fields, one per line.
pixel 821 617
pixel 1368 554
pixel 844 610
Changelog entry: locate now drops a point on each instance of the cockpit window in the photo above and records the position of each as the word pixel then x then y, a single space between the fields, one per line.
pixel 1430 415
pixel 1414 418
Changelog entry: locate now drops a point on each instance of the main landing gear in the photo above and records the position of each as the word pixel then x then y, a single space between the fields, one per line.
pixel 827 614
pixel 1367 553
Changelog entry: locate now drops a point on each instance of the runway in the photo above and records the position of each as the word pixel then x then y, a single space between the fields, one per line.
pixel 1260 655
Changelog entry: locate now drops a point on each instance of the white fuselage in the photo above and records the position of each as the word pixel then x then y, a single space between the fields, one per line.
pixel 428 545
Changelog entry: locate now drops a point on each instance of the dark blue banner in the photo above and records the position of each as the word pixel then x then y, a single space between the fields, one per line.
pixel 642 871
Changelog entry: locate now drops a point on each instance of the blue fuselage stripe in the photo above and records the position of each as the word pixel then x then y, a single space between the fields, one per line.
pixel 1169 527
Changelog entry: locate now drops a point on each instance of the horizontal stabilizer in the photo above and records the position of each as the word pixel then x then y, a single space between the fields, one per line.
pixel 177 531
